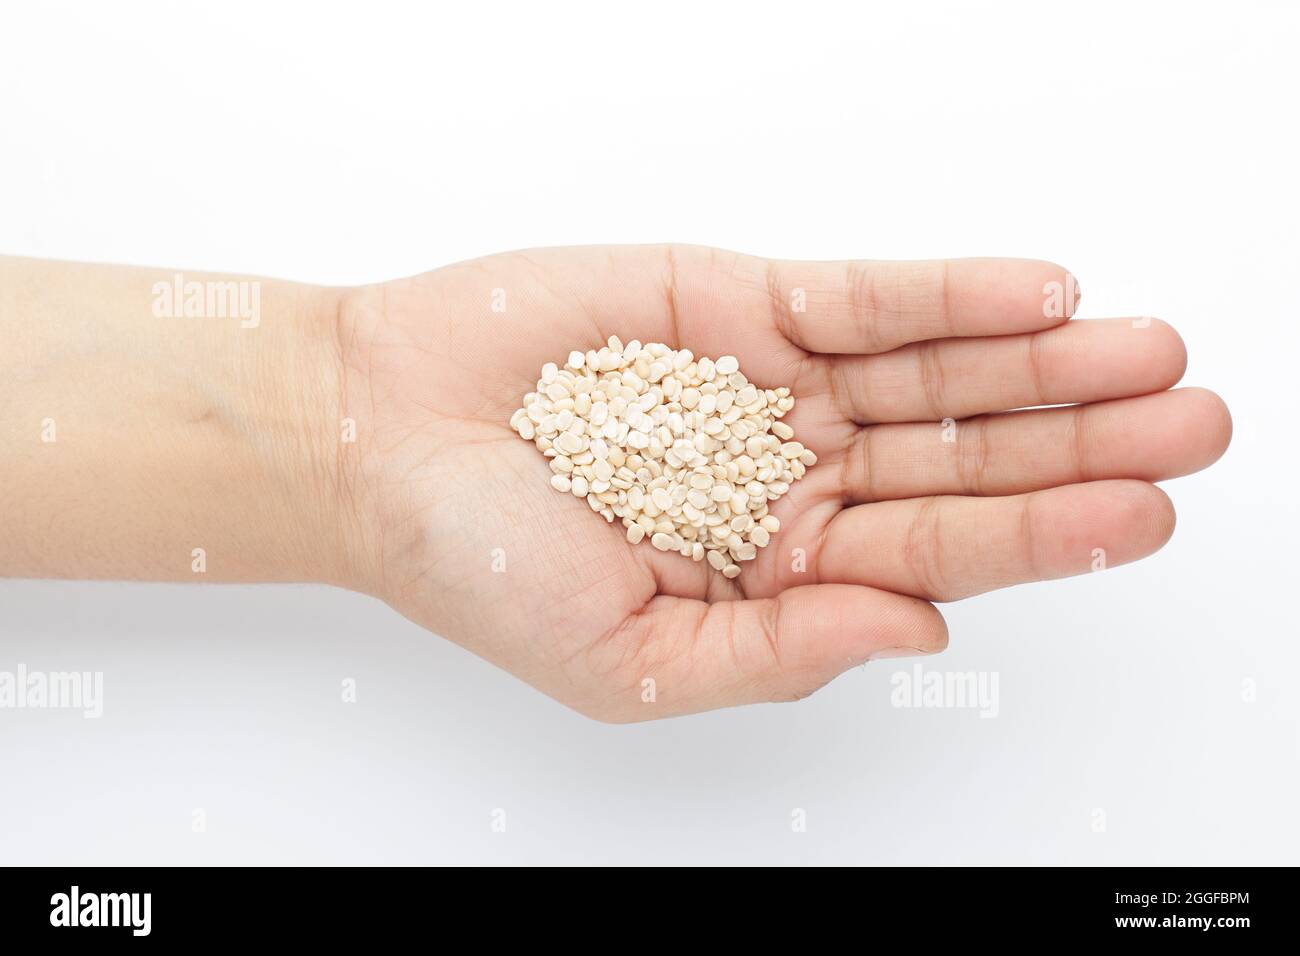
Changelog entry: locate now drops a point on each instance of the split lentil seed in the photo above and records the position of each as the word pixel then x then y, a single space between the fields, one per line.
pixel 684 451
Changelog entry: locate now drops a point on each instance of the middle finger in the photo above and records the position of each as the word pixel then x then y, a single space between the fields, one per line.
pixel 1077 362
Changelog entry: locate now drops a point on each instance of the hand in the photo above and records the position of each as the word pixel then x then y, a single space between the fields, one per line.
pixel 460 530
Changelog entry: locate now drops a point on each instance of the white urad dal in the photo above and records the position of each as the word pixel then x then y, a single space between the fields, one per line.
pixel 685 452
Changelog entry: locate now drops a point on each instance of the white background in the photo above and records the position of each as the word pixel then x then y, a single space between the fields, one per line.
pixel 1150 148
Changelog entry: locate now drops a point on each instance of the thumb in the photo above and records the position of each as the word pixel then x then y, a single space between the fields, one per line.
pixel 690 656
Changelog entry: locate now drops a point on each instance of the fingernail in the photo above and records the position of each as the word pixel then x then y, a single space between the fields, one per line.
pixel 887 652
pixel 1073 283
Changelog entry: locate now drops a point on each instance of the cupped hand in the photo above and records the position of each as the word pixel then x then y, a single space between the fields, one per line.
pixel 928 486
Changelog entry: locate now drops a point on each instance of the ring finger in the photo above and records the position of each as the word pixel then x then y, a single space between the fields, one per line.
pixel 1151 438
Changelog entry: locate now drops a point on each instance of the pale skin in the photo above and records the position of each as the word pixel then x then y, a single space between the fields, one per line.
pixel 134 443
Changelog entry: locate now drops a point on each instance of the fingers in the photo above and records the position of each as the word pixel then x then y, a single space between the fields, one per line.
pixel 872 307
pixel 680 656
pixel 1151 438
pixel 1081 361
pixel 947 548
pixel 703 298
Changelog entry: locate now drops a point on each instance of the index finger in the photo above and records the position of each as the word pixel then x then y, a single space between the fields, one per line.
pixel 875 306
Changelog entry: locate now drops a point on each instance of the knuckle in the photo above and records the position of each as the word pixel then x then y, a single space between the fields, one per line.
pixel 972 455
pixel 864 304
pixel 923 551
pixel 932 375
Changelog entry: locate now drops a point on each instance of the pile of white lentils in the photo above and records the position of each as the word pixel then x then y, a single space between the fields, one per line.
pixel 685 452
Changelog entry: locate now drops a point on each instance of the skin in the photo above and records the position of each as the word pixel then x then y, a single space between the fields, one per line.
pixel 441 510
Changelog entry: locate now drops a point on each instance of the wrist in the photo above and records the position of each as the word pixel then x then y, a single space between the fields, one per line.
pixel 305 461
pixel 348 318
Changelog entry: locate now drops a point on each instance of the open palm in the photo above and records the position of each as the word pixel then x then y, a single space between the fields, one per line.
pixel 927 488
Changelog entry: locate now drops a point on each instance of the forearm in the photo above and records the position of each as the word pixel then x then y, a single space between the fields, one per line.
pixel 143 441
